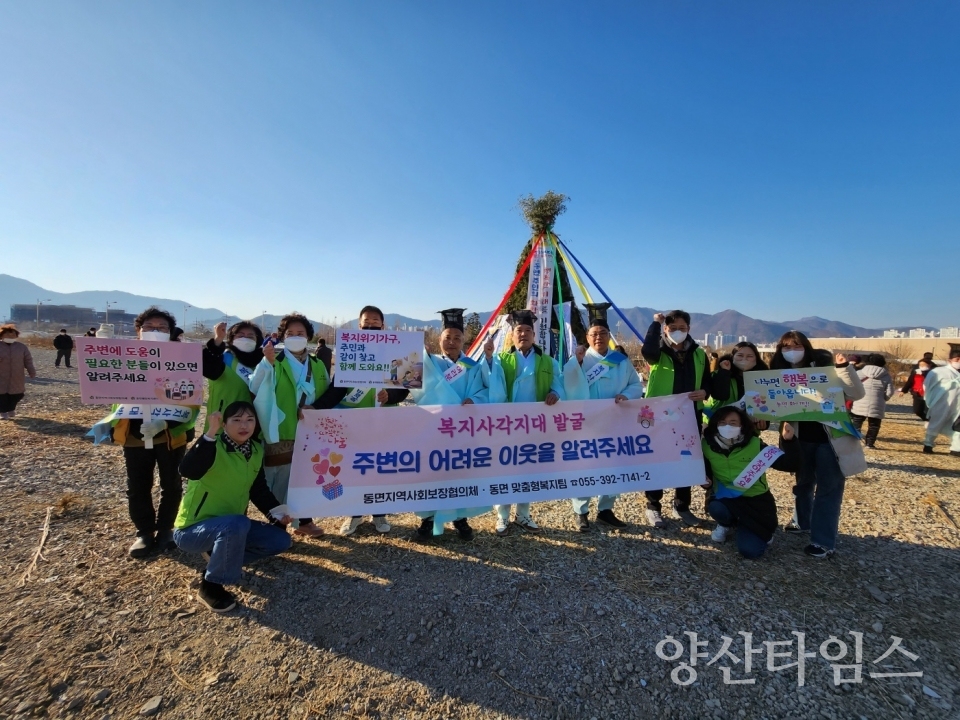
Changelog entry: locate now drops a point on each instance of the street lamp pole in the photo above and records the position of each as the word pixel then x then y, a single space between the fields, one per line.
pixel 263 322
pixel 39 303
pixel 185 308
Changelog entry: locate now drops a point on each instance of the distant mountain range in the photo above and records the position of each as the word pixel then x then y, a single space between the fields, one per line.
pixel 730 322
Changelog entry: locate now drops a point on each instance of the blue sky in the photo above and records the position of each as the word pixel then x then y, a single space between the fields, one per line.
pixel 783 159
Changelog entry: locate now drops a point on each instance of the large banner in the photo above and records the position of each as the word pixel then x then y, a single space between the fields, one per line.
pixel 540 291
pixel 139 371
pixel 379 359
pixel 396 460
pixel 798 394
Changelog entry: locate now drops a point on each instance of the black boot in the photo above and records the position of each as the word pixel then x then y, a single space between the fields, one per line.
pixel 216 597
pixel 463 529
pixel 426 528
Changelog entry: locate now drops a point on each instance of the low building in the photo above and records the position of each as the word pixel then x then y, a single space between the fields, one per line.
pixel 950 332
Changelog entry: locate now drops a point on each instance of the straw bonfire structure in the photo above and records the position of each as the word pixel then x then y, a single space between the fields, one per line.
pixel 541 213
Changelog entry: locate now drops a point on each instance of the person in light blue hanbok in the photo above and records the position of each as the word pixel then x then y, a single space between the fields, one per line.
pixel 524 374
pixel 603 374
pixel 450 378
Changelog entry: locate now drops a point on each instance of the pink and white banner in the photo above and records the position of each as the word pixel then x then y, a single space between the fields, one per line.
pixel 404 459
pixel 138 371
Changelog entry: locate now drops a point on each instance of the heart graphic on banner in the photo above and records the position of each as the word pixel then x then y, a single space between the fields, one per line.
pixel 335 470
pixel 321 468
pixel 325 452
pixel 315 458
pixel 335 458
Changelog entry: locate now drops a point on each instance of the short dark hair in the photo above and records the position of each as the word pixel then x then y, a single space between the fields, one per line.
pixel 154 312
pixel 63 329
pixel 244 325
pixel 675 315
pixel 746 422
pixel 954 353
pixel 372 309
pixel 876 359
pixel 237 407
pixel 295 317
pixel 321 342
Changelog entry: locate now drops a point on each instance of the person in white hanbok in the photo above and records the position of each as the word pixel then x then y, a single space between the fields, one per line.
pixel 941 390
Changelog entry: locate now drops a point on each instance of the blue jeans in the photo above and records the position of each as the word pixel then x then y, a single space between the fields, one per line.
pixel 232 541
pixel 749 543
pixel 818 493
pixel 604 502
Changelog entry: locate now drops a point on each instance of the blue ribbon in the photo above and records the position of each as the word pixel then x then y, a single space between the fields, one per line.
pixel 602 291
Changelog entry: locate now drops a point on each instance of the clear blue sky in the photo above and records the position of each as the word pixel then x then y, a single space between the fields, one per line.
pixel 780 158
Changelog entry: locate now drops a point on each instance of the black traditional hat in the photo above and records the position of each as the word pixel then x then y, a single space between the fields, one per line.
pixel 452 319
pixel 597 312
pixel 521 317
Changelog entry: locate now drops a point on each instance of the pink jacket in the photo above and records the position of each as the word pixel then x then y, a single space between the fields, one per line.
pixel 14 360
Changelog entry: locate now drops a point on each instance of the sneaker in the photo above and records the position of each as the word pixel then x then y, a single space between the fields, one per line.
pixel 4 416
pixel 526 522
pixel 955 452
pixel 720 534
pixel 165 541
pixel 815 551
pixel 381 524
pixel 608 518
pixel 350 525
pixel 502 525
pixel 426 528
pixel 12 414
pixel 655 518
pixel 310 530
pixel 687 517
pixel 583 525
pixel 216 597
pixel 463 529
pixel 928 449
pixel 142 546
pixel 793 529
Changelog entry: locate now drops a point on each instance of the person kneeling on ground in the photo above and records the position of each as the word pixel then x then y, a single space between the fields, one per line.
pixel 225 473
pixel 741 496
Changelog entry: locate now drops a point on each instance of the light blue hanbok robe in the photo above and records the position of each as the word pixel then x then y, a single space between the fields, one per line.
pixel 619 378
pixel 437 390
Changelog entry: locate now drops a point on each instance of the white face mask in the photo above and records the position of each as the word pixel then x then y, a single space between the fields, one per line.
pixel 9 341
pixel 744 365
pixel 295 343
pixel 677 336
pixel 245 344
pixel 955 364
pixel 728 432
pixel 154 336
pixel 793 356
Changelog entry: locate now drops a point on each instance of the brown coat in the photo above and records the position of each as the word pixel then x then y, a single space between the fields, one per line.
pixel 14 360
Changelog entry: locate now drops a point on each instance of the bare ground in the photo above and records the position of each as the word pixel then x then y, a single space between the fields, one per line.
pixel 550 625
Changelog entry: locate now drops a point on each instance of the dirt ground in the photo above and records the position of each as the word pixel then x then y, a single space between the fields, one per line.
pixel 556 624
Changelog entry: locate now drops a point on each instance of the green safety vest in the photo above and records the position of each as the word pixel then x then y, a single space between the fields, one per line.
pixel 727 468
pixel 177 434
pixel 226 389
pixel 660 382
pixel 224 490
pixel 286 387
pixel 711 404
pixel 543 372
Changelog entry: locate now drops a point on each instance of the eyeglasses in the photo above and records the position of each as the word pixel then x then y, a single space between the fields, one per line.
pixel 597 336
pixel 155 328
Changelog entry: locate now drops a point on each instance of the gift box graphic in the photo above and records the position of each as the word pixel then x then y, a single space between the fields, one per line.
pixel 332 490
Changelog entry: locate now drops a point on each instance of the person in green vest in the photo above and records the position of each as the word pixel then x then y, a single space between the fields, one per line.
pixel 225 473
pixel 283 383
pixel 149 444
pixel 743 358
pixel 678 366
pixel 736 462
pixel 371 318
pixel 229 359
pixel 524 374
